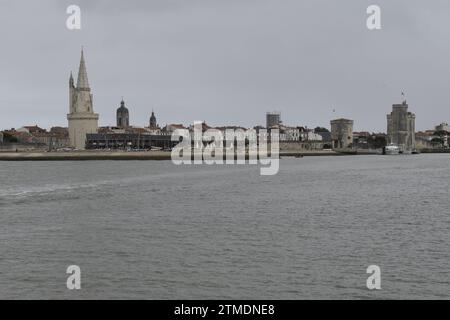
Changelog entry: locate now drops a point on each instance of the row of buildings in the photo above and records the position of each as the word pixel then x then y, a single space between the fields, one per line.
pixel 83 131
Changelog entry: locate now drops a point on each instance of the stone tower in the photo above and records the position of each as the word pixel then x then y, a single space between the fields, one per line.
pixel 123 116
pixel 81 117
pixel 342 133
pixel 401 127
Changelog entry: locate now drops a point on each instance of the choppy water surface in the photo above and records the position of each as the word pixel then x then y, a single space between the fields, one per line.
pixel 153 230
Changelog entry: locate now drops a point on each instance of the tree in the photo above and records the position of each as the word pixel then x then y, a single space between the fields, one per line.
pixel 8 138
pixel 437 141
pixel 321 129
pixel 377 142
pixel 441 133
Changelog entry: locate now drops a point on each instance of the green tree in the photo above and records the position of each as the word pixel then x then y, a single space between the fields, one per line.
pixel 8 138
pixel 441 133
pixel 321 129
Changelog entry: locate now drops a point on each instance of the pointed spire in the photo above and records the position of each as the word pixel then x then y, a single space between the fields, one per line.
pixel 71 79
pixel 82 82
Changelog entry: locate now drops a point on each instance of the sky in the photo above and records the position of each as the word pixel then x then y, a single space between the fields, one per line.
pixel 227 62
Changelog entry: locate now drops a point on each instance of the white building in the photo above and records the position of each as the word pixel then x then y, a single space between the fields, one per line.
pixel 310 135
pixel 298 134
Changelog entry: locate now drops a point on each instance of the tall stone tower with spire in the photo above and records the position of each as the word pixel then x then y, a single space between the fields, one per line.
pixel 81 117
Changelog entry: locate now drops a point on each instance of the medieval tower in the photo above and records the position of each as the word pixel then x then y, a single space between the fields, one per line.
pixel 401 127
pixel 82 119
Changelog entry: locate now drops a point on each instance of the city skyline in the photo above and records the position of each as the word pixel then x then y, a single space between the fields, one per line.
pixel 228 74
pixel 225 158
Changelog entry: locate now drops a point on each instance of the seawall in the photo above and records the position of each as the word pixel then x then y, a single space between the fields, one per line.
pixel 144 155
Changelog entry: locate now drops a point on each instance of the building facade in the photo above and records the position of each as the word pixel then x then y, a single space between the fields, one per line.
pixel 401 127
pixel 82 119
pixel 342 133
pixel 129 141
pixel 56 138
pixel 298 134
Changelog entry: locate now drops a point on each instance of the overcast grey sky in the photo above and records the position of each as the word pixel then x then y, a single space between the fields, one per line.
pixel 227 61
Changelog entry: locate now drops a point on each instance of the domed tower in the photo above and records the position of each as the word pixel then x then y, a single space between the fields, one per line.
pixel 123 116
pixel 153 124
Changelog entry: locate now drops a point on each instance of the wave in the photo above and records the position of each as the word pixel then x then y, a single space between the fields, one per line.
pixel 21 193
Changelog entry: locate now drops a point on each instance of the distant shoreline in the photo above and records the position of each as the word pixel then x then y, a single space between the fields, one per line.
pixel 122 155
pixel 151 155
pixel 84 156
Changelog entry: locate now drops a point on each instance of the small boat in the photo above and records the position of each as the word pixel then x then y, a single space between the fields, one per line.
pixel 391 149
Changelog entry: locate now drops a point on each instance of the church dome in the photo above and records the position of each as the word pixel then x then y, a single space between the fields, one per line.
pixel 122 109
